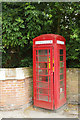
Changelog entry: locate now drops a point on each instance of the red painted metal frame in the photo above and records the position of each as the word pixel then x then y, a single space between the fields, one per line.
pixel 58 102
pixel 40 103
pixel 55 88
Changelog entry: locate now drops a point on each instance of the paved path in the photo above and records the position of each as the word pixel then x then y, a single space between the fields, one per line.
pixel 30 112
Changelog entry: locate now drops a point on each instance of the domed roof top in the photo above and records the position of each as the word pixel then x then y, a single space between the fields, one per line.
pixel 49 39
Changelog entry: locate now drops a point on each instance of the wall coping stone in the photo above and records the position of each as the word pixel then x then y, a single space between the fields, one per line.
pixel 15 73
pixel 22 73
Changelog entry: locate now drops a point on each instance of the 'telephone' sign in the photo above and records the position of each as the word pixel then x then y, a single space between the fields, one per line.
pixel 44 42
pixel 60 42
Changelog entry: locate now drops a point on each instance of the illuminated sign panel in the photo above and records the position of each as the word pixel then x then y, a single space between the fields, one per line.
pixel 44 42
pixel 60 42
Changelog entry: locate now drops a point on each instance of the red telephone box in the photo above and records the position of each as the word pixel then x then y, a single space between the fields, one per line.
pixel 49 71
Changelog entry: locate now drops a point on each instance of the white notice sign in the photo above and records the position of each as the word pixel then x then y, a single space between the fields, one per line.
pixel 61 90
pixel 60 42
pixel 44 42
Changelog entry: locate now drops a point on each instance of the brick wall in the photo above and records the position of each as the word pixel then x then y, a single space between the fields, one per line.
pixel 72 81
pixel 15 88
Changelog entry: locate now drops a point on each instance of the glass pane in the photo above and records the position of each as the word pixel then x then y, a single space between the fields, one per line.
pixel 37 90
pixel 61 96
pixel 42 52
pixel 61 70
pixel 61 64
pixel 43 98
pixel 49 78
pixel 43 72
pixel 36 77
pixel 36 65
pixel 49 58
pixel 42 85
pixel 49 98
pixel 61 83
pixel 36 58
pixel 36 52
pixel 49 82
pixel 43 65
pixel 37 97
pixel 43 91
pixel 61 76
pixel 61 51
pixel 43 59
pixel 61 58
pixel 43 78
pixel 49 52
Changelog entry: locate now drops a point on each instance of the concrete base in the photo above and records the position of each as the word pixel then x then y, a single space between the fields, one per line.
pixel 55 111
pixel 61 108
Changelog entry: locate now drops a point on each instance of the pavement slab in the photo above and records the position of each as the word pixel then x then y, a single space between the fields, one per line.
pixel 70 111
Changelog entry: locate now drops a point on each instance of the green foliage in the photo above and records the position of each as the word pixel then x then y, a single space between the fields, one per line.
pixel 21 22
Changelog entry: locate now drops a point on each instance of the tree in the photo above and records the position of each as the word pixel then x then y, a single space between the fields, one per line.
pixel 24 21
